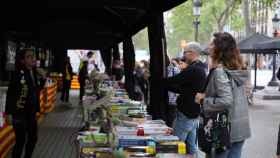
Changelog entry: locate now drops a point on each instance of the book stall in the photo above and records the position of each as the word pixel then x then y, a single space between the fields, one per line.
pixel 118 127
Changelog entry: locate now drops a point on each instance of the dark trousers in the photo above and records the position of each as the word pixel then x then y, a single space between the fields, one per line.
pixel 82 90
pixel 65 90
pixel 26 131
pixel 171 114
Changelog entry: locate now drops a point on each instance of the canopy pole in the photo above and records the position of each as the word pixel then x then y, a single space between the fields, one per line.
pixel 158 95
pixel 116 52
pixel 255 77
pixel 106 54
pixel 129 64
pixel 273 81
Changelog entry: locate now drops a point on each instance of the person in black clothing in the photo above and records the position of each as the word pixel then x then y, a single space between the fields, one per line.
pixel 117 70
pixel 187 83
pixel 67 77
pixel 138 83
pixel 22 103
pixel 83 75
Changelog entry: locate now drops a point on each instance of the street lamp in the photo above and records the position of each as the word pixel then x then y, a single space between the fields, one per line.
pixel 196 12
pixel 275 23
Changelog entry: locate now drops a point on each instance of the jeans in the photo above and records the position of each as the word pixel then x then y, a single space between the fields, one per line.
pixel 233 152
pixel 186 128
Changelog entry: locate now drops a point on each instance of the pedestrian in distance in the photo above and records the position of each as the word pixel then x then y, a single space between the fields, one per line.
pixel 66 78
pixel 83 76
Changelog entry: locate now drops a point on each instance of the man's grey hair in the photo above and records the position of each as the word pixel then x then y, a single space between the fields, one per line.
pixel 194 47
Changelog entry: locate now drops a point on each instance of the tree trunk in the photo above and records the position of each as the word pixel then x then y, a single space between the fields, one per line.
pixel 220 27
pixel 245 9
pixel 222 19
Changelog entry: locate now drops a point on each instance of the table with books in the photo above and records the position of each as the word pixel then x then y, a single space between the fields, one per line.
pixel 118 127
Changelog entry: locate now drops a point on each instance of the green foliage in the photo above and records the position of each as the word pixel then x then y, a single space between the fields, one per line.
pixel 180 22
pixel 140 40
pixel 269 2
pixel 237 21
pixel 179 27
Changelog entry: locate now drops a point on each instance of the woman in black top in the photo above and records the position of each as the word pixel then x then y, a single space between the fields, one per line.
pixel 22 103
pixel 66 78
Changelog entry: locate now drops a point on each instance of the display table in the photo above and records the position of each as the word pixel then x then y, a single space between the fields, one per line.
pixel 47 102
pixel 116 125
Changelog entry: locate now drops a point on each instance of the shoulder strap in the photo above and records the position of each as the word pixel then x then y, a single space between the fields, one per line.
pixel 208 78
pixel 231 79
pixel 204 88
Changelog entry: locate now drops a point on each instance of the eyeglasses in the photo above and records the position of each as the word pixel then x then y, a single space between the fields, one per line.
pixel 188 52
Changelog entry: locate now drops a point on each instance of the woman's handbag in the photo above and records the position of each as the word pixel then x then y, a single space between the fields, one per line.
pixel 214 132
pixel 214 129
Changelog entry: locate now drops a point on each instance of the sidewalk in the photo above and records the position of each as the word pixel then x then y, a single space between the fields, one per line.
pixel 264 117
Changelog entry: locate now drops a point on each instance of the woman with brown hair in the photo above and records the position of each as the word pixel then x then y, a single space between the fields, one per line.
pixel 225 91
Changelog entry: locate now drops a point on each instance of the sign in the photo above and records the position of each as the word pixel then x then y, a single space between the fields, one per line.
pixel 11 56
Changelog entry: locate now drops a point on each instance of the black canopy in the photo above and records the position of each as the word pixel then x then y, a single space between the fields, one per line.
pixel 273 44
pixel 81 23
pixel 247 45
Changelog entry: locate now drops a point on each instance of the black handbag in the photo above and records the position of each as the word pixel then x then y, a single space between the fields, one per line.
pixel 214 132
pixel 214 129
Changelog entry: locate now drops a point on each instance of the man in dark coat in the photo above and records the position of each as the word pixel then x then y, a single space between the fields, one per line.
pixel 22 103
pixel 187 83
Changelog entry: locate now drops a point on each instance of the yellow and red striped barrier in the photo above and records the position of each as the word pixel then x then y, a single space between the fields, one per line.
pixel 75 83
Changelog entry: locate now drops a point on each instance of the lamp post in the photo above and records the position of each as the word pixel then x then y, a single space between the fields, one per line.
pixel 196 12
pixel 275 22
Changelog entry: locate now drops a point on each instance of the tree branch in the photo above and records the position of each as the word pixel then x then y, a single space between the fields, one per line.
pixel 230 4
pixel 214 12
